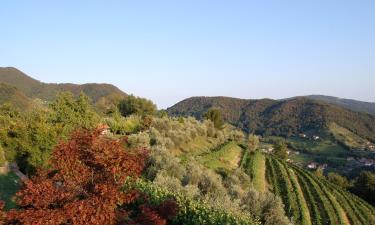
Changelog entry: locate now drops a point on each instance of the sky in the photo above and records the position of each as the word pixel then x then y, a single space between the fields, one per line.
pixel 170 50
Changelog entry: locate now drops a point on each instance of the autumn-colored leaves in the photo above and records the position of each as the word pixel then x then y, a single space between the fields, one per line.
pixel 83 187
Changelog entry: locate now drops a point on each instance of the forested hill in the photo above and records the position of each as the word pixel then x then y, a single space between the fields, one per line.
pixel 13 96
pixel 47 91
pixel 279 117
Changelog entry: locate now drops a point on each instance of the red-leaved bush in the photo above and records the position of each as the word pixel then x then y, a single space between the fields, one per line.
pixel 83 186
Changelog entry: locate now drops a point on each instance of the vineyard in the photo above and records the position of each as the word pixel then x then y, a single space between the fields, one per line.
pixel 308 199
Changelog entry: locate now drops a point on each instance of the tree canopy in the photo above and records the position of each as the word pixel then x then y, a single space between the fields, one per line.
pixel 280 150
pixel 136 105
pixel 216 117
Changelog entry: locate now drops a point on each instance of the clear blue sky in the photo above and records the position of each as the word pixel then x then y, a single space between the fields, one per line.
pixel 170 50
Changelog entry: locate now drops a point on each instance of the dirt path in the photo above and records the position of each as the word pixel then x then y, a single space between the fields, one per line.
pixel 15 169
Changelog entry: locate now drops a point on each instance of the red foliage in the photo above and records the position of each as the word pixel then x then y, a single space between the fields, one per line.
pixel 83 185
pixel 157 215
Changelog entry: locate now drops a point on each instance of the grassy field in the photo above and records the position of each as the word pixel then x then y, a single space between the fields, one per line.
pixel 227 157
pixel 9 185
pixel 259 171
pixel 197 146
pixel 346 137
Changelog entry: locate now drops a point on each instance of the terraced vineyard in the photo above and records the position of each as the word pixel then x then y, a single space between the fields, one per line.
pixel 308 200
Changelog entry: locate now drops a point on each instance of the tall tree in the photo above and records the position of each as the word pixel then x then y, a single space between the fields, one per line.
pixel 252 142
pixel 216 117
pixel 280 149
pixel 70 113
pixel 364 186
pixel 135 105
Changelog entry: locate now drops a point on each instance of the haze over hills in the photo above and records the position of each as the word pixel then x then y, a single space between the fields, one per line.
pixel 47 91
pixel 279 117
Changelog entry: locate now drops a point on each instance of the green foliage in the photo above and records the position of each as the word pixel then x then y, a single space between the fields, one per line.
pixel 252 142
pixel 215 116
pixel 364 186
pixel 135 105
pixel 2 156
pixel 267 207
pixel 319 172
pixel 338 180
pixel 123 125
pixel 69 113
pixel 258 172
pixel 227 157
pixel 28 138
pixel 280 150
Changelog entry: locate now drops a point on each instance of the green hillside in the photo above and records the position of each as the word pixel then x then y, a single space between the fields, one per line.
pixel 280 118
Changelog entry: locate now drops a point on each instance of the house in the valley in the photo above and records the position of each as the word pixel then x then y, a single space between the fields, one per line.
pixel 105 129
pixel 315 137
pixel 312 165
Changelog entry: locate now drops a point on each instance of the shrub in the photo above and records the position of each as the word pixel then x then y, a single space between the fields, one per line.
pixel 338 180
pixel 160 161
pixel 265 206
pixel 123 125
pixel 140 140
pixel 215 116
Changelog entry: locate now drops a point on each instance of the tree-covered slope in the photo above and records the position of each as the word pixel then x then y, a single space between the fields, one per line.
pixel 283 117
pixel 47 91
pixel 11 95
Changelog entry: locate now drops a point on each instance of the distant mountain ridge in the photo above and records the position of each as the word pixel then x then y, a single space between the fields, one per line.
pixel 279 117
pixel 354 105
pixel 47 91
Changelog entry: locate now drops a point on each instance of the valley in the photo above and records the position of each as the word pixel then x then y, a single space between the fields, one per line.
pixel 234 161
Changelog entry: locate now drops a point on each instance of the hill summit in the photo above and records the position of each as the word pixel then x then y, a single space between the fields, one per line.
pixel 47 91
